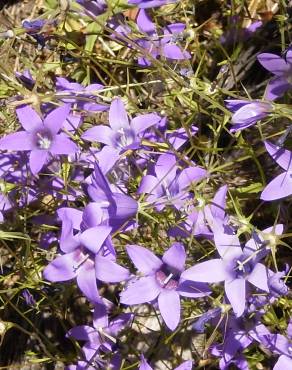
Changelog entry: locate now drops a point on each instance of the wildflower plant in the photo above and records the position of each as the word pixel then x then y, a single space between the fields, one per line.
pixel 145 185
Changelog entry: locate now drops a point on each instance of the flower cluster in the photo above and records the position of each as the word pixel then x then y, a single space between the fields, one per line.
pixel 141 220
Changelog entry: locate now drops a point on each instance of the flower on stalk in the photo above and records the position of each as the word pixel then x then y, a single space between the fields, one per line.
pixel 186 365
pixel 280 186
pixel 167 183
pixel 282 69
pixel 246 114
pixel 235 267
pixel 161 281
pixel 100 338
pixel 150 3
pixel 41 138
pixel 88 255
pixel 121 134
pixel 160 45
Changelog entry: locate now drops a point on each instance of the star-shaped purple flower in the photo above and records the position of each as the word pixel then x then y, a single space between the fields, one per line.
pixel 162 281
pixel 235 267
pixel 160 45
pixel 39 137
pixel 121 134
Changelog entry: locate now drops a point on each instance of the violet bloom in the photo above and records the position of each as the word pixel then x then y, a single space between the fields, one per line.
pixel 161 280
pixel 281 345
pixel 235 267
pixel 246 114
pixel 240 333
pixel 116 208
pixel 281 185
pixel 160 45
pixel 282 69
pixel 166 183
pixel 93 8
pixel 39 137
pixel 83 97
pixel 100 337
pixel 88 256
pixel 121 134
pixel 150 3
pixel 186 365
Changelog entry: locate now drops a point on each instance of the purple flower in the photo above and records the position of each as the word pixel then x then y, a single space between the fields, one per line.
pixel 150 3
pixel 39 137
pixel 280 186
pixel 84 97
pixel 93 8
pixel 167 183
pixel 186 365
pixel 109 207
pixel 121 134
pixel 240 333
pixel 100 337
pixel 282 69
pixel 89 255
pixel 33 26
pixel 247 113
pixel 158 45
pixel 235 268
pixel 161 280
pixel 281 345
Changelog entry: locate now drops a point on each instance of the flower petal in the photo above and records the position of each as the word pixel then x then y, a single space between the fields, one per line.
pixel 17 141
pixel 273 63
pixel 63 268
pixel 144 259
pixel 86 281
pixel 118 118
pixel 187 365
pixel 169 306
pixel 109 271
pixel 284 362
pixel 100 134
pixel 175 256
pixel 193 289
pixel 276 87
pixel 37 159
pixel 172 51
pixel 94 237
pixel 81 332
pixel 279 187
pixel 144 364
pixel 141 290
pixel 56 118
pixel 282 156
pixel 212 271
pixel 142 122
pixel 28 118
pixel 235 292
pixel 259 277
pixel 63 145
